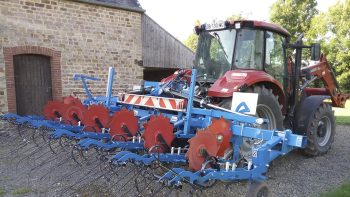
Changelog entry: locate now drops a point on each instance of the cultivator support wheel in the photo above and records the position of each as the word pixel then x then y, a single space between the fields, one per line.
pixel 158 134
pixel 123 125
pixel 95 118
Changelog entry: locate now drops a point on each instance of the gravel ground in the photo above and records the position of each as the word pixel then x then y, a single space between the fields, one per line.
pixel 29 169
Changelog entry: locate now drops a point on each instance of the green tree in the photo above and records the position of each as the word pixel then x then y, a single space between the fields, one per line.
pixel 191 42
pixel 332 29
pixel 236 17
pixel 294 15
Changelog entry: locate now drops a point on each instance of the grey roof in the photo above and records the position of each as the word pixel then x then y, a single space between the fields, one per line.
pixel 131 5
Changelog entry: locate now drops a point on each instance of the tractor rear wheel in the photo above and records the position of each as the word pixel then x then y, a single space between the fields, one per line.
pixel 320 132
pixel 268 107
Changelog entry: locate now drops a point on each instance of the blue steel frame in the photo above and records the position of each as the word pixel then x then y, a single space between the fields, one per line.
pixel 274 143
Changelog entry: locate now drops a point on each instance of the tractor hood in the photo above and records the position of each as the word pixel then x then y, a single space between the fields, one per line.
pixel 234 80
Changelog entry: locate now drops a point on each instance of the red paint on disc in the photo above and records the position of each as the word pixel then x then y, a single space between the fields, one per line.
pixel 71 99
pixel 120 118
pixel 221 127
pixel 202 141
pixel 73 111
pixel 158 125
pixel 94 113
pixel 53 110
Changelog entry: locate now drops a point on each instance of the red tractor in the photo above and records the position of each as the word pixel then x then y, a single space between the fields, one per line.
pixel 252 56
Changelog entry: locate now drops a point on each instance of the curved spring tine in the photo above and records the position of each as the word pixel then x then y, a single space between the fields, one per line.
pixel 85 176
pixel 80 154
pixel 50 143
pixel 43 163
pixel 53 168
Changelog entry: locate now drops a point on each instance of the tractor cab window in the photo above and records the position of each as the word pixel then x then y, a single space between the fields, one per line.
pixel 274 57
pixel 214 54
pixel 249 49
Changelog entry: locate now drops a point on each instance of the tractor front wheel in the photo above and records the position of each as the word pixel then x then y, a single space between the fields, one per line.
pixel 321 130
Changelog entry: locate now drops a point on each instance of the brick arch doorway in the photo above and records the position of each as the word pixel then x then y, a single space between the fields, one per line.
pixel 33 76
pixel 32 83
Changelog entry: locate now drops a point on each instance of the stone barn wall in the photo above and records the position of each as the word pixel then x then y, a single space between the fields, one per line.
pixel 83 38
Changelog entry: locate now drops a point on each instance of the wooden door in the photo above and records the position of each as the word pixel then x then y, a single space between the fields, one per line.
pixel 32 82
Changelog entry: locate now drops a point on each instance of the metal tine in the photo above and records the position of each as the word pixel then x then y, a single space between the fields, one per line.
pixel 20 146
pixel 120 179
pixel 147 186
pixel 52 168
pixel 27 157
pixel 85 177
pixel 92 181
pixel 69 174
pixel 84 157
pixel 135 179
pixel 43 163
pixel 109 171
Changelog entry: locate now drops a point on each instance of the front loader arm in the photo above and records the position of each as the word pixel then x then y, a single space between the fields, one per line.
pixel 323 71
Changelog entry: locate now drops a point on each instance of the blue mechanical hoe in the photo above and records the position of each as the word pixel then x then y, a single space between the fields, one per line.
pixel 244 104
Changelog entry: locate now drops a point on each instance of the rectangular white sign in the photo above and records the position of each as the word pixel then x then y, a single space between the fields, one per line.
pixel 244 102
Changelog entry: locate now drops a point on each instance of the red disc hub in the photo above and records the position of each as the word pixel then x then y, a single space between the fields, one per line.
pixel 95 118
pixel 158 134
pixel 74 112
pixel 221 128
pixel 53 110
pixel 124 124
pixel 202 146
pixel 210 142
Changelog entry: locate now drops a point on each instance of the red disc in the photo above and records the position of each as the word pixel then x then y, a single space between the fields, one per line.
pixel 203 141
pixel 158 129
pixel 53 110
pixel 71 99
pixel 121 118
pixel 96 114
pixel 74 112
pixel 221 128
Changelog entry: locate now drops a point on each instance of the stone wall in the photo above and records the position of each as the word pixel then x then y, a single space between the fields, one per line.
pixel 89 39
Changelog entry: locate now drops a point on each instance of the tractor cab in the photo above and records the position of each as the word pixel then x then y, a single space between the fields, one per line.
pixel 250 50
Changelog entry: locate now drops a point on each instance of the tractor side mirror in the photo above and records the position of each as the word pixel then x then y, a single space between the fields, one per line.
pixel 315 51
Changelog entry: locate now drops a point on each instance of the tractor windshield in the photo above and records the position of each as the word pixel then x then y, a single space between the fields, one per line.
pixel 214 54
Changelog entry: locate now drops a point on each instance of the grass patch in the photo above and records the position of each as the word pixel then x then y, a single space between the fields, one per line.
pixel 2 192
pixel 342 191
pixel 21 191
pixel 342 115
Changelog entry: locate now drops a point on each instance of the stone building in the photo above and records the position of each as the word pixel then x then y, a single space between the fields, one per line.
pixel 43 43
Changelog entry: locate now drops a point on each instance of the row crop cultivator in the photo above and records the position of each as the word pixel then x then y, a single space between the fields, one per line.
pixel 153 133
pixel 181 131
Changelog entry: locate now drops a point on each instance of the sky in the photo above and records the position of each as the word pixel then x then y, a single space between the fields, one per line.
pixel 178 16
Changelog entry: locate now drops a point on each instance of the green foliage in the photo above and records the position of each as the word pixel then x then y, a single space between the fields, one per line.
pixel 21 191
pixel 332 29
pixel 191 42
pixel 235 17
pixel 294 15
pixel 342 115
pixel 2 192
pixel 342 191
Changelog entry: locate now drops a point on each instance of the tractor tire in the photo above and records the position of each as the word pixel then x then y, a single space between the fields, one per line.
pixel 321 131
pixel 268 107
pixel 258 189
